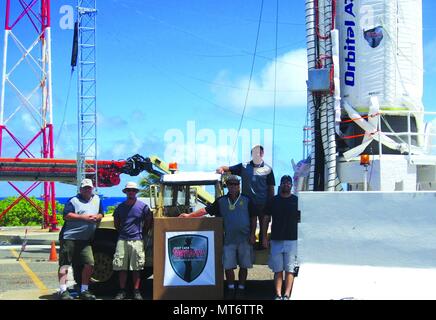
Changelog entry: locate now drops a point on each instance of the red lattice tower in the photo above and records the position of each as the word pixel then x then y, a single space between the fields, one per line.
pixel 26 118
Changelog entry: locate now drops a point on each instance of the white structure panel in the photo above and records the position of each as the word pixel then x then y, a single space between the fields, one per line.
pixel 392 173
pixel 365 244
pixel 344 282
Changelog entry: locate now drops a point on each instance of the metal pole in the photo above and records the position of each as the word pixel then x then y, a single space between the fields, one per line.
pixel 87 93
pixel 311 57
pixel 365 179
pixel 2 102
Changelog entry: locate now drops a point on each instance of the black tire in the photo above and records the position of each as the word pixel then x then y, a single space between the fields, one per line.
pixel 104 280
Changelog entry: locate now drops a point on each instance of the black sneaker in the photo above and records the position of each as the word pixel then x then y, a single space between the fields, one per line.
pixel 286 298
pixel 137 295
pixel 277 297
pixel 121 295
pixel 86 295
pixel 65 295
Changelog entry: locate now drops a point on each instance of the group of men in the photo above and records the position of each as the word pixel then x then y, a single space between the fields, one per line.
pixel 132 218
pixel 239 210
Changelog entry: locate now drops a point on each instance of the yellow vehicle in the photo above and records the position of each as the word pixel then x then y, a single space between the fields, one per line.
pixel 175 193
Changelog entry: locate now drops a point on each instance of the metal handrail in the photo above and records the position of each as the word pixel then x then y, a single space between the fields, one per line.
pixel 408 133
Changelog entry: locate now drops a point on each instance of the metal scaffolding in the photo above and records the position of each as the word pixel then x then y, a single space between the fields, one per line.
pixel 87 91
pixel 26 117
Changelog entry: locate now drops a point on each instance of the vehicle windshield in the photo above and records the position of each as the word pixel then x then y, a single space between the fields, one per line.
pixel 174 195
pixel 176 200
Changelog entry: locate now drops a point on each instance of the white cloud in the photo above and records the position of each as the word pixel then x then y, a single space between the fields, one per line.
pixel 132 145
pixel 291 84
pixel 29 122
pixel 112 122
pixel 201 157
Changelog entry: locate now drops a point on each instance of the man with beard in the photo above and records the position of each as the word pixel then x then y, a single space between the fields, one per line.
pixel 283 209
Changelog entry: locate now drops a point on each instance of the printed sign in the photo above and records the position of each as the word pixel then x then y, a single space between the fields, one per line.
pixel 189 258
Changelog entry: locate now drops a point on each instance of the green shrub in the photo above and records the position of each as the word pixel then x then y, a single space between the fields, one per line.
pixel 110 210
pixel 24 214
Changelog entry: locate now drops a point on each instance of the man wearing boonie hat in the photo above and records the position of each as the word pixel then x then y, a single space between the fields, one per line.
pixel 257 182
pixel 81 215
pixel 283 209
pixel 238 214
pixel 131 219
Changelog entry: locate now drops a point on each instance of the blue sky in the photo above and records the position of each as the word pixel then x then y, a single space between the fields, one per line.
pixel 176 72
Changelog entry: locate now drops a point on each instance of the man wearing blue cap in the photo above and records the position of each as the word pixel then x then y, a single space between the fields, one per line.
pixel 283 209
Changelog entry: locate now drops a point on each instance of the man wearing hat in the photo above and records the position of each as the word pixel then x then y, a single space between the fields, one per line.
pixel 238 214
pixel 81 215
pixel 131 218
pixel 283 208
pixel 257 181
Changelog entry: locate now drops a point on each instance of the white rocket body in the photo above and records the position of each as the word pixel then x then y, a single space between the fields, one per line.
pixel 381 53
pixel 376 50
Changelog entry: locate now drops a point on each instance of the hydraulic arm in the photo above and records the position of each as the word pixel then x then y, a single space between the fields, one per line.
pixel 64 170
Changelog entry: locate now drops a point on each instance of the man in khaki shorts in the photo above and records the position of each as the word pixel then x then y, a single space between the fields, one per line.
pixel 130 218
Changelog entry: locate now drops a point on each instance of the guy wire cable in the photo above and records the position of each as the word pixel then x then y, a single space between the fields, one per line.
pixel 249 81
pixel 275 84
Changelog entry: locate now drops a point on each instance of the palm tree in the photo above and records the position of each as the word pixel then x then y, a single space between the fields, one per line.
pixel 145 184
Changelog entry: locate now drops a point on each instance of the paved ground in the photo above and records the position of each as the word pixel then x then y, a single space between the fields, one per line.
pixel 34 277
pixel 35 235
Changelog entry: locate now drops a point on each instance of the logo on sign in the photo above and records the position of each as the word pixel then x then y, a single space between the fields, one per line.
pixel 188 255
pixel 374 36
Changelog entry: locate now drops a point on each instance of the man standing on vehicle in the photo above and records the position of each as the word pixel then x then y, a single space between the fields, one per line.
pixel 239 218
pixel 283 209
pixel 131 219
pixel 257 182
pixel 82 213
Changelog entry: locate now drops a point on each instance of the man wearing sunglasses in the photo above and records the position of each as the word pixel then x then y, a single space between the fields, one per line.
pixel 131 219
pixel 257 182
pixel 239 217
pixel 82 213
